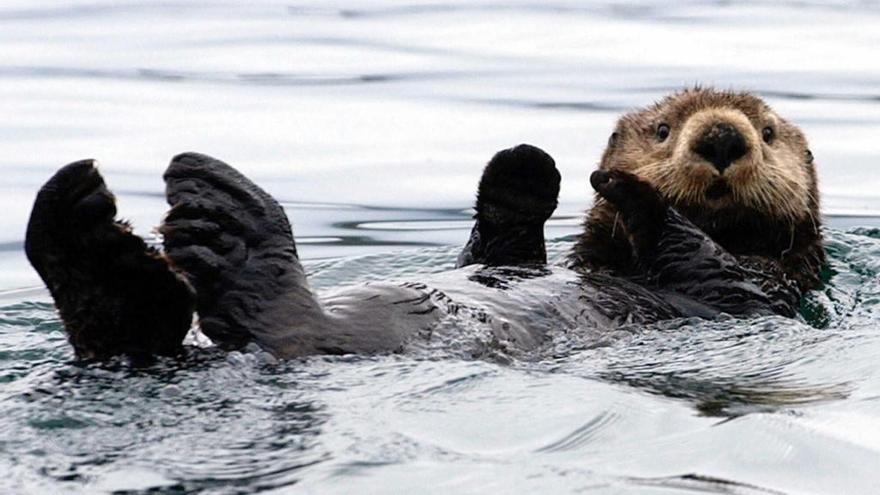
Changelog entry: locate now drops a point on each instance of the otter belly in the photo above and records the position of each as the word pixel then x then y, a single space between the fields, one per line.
pixel 479 310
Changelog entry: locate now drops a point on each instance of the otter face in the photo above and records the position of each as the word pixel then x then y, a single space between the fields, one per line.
pixel 717 151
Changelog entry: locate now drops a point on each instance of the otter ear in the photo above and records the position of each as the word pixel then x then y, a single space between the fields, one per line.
pixel 613 138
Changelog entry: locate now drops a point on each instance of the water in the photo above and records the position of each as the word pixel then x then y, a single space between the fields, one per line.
pixel 371 121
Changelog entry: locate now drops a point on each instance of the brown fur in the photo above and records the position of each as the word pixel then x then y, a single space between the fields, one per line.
pixel 769 210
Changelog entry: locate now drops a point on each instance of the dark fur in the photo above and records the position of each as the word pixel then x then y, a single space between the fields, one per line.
pixel 672 254
pixel 115 294
pixel 235 245
pixel 517 194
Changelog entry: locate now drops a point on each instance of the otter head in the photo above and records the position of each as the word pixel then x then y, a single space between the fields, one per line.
pixel 720 157
pixel 718 151
pixel 728 162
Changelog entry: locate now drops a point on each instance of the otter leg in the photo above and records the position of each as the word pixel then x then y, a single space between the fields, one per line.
pixel 517 193
pixel 677 255
pixel 234 242
pixel 114 293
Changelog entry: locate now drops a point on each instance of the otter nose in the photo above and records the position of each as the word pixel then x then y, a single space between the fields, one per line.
pixel 722 145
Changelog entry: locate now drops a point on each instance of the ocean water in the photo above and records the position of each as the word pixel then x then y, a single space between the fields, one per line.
pixel 371 121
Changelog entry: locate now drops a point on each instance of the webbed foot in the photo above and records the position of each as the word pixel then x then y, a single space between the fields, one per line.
pixel 235 244
pixel 115 294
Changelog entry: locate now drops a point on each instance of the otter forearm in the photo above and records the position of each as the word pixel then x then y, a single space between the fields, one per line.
pixel 689 262
pixel 517 193
pixel 674 254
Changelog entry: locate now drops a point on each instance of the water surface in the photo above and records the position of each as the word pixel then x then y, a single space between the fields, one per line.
pixel 371 121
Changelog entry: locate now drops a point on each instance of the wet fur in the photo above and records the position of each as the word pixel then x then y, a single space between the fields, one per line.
pixel 115 294
pixel 517 193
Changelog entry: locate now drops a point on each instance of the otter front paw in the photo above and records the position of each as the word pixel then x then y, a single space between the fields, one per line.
pixel 517 193
pixel 642 209
pixel 631 195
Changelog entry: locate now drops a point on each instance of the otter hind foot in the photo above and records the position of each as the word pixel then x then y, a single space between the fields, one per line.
pixel 235 244
pixel 114 293
pixel 517 193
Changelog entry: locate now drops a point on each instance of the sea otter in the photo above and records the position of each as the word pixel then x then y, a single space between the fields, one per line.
pixel 706 204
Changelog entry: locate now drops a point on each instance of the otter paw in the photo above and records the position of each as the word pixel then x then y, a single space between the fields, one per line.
pixel 517 193
pixel 642 208
pixel 519 185
pixel 115 294
pixel 235 244
pixel 626 191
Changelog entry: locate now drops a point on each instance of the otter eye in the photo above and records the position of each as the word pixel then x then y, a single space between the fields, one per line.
pixel 662 132
pixel 767 134
pixel 612 139
pixel 809 156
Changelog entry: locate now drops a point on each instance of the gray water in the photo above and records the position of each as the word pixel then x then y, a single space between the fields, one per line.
pixel 371 121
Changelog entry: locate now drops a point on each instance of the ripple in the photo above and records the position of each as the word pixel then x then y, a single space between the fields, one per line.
pixel 239 78
pixel 442 224
pixel 704 484
pixel 583 434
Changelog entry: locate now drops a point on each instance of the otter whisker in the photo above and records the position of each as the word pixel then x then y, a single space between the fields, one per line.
pixel 813 221
pixel 790 244
pixel 614 226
